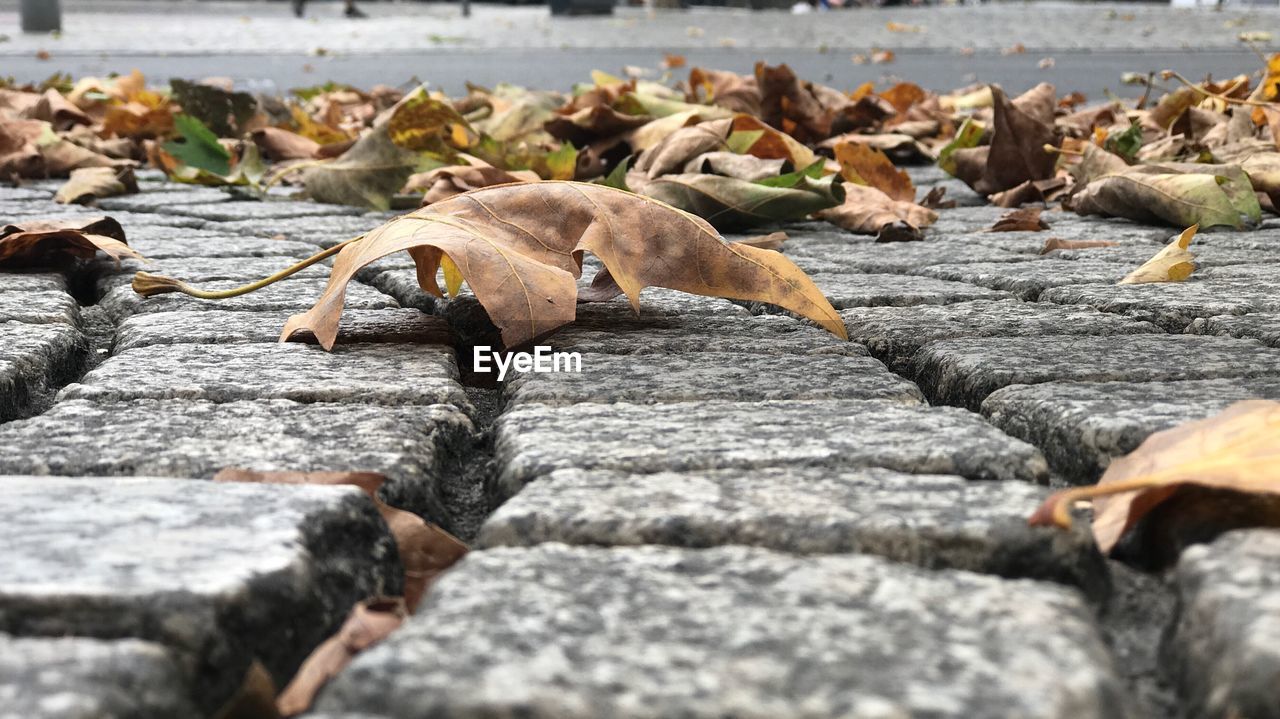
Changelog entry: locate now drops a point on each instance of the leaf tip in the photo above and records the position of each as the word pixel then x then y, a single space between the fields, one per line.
pixel 147 284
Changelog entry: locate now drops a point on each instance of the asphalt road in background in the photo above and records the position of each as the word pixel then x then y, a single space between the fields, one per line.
pixel 449 69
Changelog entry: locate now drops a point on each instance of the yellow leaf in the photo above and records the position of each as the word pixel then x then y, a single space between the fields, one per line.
pixel 452 276
pixel 1174 263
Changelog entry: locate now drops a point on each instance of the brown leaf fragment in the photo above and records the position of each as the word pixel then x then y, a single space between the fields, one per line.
pixel 1031 191
pixel 934 199
pixel 677 149
pixel 1057 243
pixel 254 699
pixel 1022 129
pixel 368 623
pixel 278 145
pixel 864 165
pixel 1237 450
pixel 519 248
pixel 771 241
pixel 731 164
pixel 19 154
pixel 790 105
pixel 1026 219
pixel 868 211
pixel 445 182
pixel 58 243
pixel 724 89
pixel 1174 263
pixel 91 183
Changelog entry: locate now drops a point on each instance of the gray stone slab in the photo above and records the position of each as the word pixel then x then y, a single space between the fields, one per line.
pixel 963 372
pixel 1028 279
pixel 291 295
pixel 1263 267
pixel 223 328
pixel 895 334
pixel 878 290
pixel 128 220
pixel 533 440
pixel 932 521
pixel 38 307
pixel 1218 259
pixel 219 573
pixel 412 446
pixel 264 212
pixel 391 374
pixel 79 678
pixel 35 359
pixel 1068 226
pixel 162 250
pixel 403 286
pixel 324 230
pixel 32 282
pixel 742 377
pixel 1261 326
pixel 661 632
pixel 621 332
pixel 893 257
pixel 1082 426
pixel 1265 238
pixel 1225 645
pixel 162 199
pixel 1174 305
pixel 17 194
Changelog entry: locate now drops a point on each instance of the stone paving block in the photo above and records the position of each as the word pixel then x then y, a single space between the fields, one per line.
pixel 1265 238
pixel 179 245
pixel 876 290
pixel 36 358
pixel 1069 226
pixel 199 271
pixel 79 678
pixel 391 374
pixel 533 440
pixel 895 334
pixel 742 377
pixel 161 200
pixel 223 328
pixel 262 212
pixel 654 632
pixel 1263 267
pixel 178 438
pixel 18 194
pixel 894 257
pixel 219 573
pixel 130 221
pixel 1219 258
pixel 933 521
pixel 403 286
pixel 1225 645
pixel 36 307
pixel 1261 326
pixel 1028 279
pixel 963 372
pixel 32 282
pixel 291 295
pixel 1174 305
pixel 324 230
pixel 1082 426
pixel 622 333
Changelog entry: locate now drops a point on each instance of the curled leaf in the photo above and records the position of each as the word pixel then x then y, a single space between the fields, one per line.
pixel 56 243
pixel 1173 263
pixel 91 183
pixel 868 211
pixel 730 203
pixel 1026 219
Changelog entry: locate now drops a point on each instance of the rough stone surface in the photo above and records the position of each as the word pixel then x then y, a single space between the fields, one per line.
pixel 861 255
pixel 223 328
pixel 894 334
pixel 403 285
pixel 78 678
pixel 32 282
pixel 876 290
pixel 366 373
pixel 1262 327
pixel 162 200
pixel 34 359
pixel 933 521
pixel 662 632
pixel 232 571
pixel 963 372
pixel 742 377
pixel 1082 426
pixel 180 245
pixel 291 295
pixel 533 440
pixel 622 333
pixel 261 211
pixel 1175 305
pixel 37 307
pixel 1029 279
pixel 412 446
pixel 324 230
pixel 1225 645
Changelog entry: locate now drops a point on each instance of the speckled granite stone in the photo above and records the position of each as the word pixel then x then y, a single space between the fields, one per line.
pixel 891 257
pixel 219 573
pixel 262 212
pixel 1263 327
pixel 291 295
pixel 35 359
pixel 79 678
pixel 1174 305
pixel 36 307
pixel 161 200
pixel 1082 426
pixel 1225 646
pixel 742 377
pixel 533 440
pixel 876 290
pixel 402 284
pixel 413 446
pixel 894 334
pixel 390 374
pixel 963 372
pixel 621 332
pixel 1208 259
pixel 1069 226
pixel 32 282
pixel 323 230
pixel 933 521
pixel 655 632
pixel 162 250
pixel 221 328
pixel 1028 279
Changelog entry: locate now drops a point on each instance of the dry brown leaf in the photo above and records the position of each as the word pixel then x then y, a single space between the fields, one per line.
pixel 91 183
pixel 674 151
pixel 790 105
pixel 1057 243
pixel 1237 450
pixel 1026 219
pixel 865 165
pixel 1174 263
pixel 277 144
pixel 19 153
pixel 724 89
pixel 731 164
pixel 868 211
pixel 903 95
pixel 370 622
pixel 520 247
pixel 254 699
pixel 425 549
pixel 445 182
pixel 1031 191
pixel 56 243
pixel 1022 129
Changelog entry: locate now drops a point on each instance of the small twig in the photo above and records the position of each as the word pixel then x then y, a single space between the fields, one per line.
pixel 147 284
pixel 1229 100
pixel 1146 94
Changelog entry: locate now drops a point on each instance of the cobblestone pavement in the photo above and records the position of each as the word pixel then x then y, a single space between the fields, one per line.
pixel 726 513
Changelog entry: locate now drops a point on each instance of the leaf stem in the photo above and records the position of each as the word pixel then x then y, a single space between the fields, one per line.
pixel 147 284
pixel 1166 74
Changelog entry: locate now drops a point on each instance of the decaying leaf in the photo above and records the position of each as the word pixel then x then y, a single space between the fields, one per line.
pixel 1176 194
pixel 91 183
pixel 1237 450
pixel 1026 219
pixel 55 243
pixel 868 211
pixel 278 145
pixel 1057 243
pixel 445 182
pixel 520 247
pixel 730 203
pixel 1021 129
pixel 1173 263
pixel 864 165
pixel 367 175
